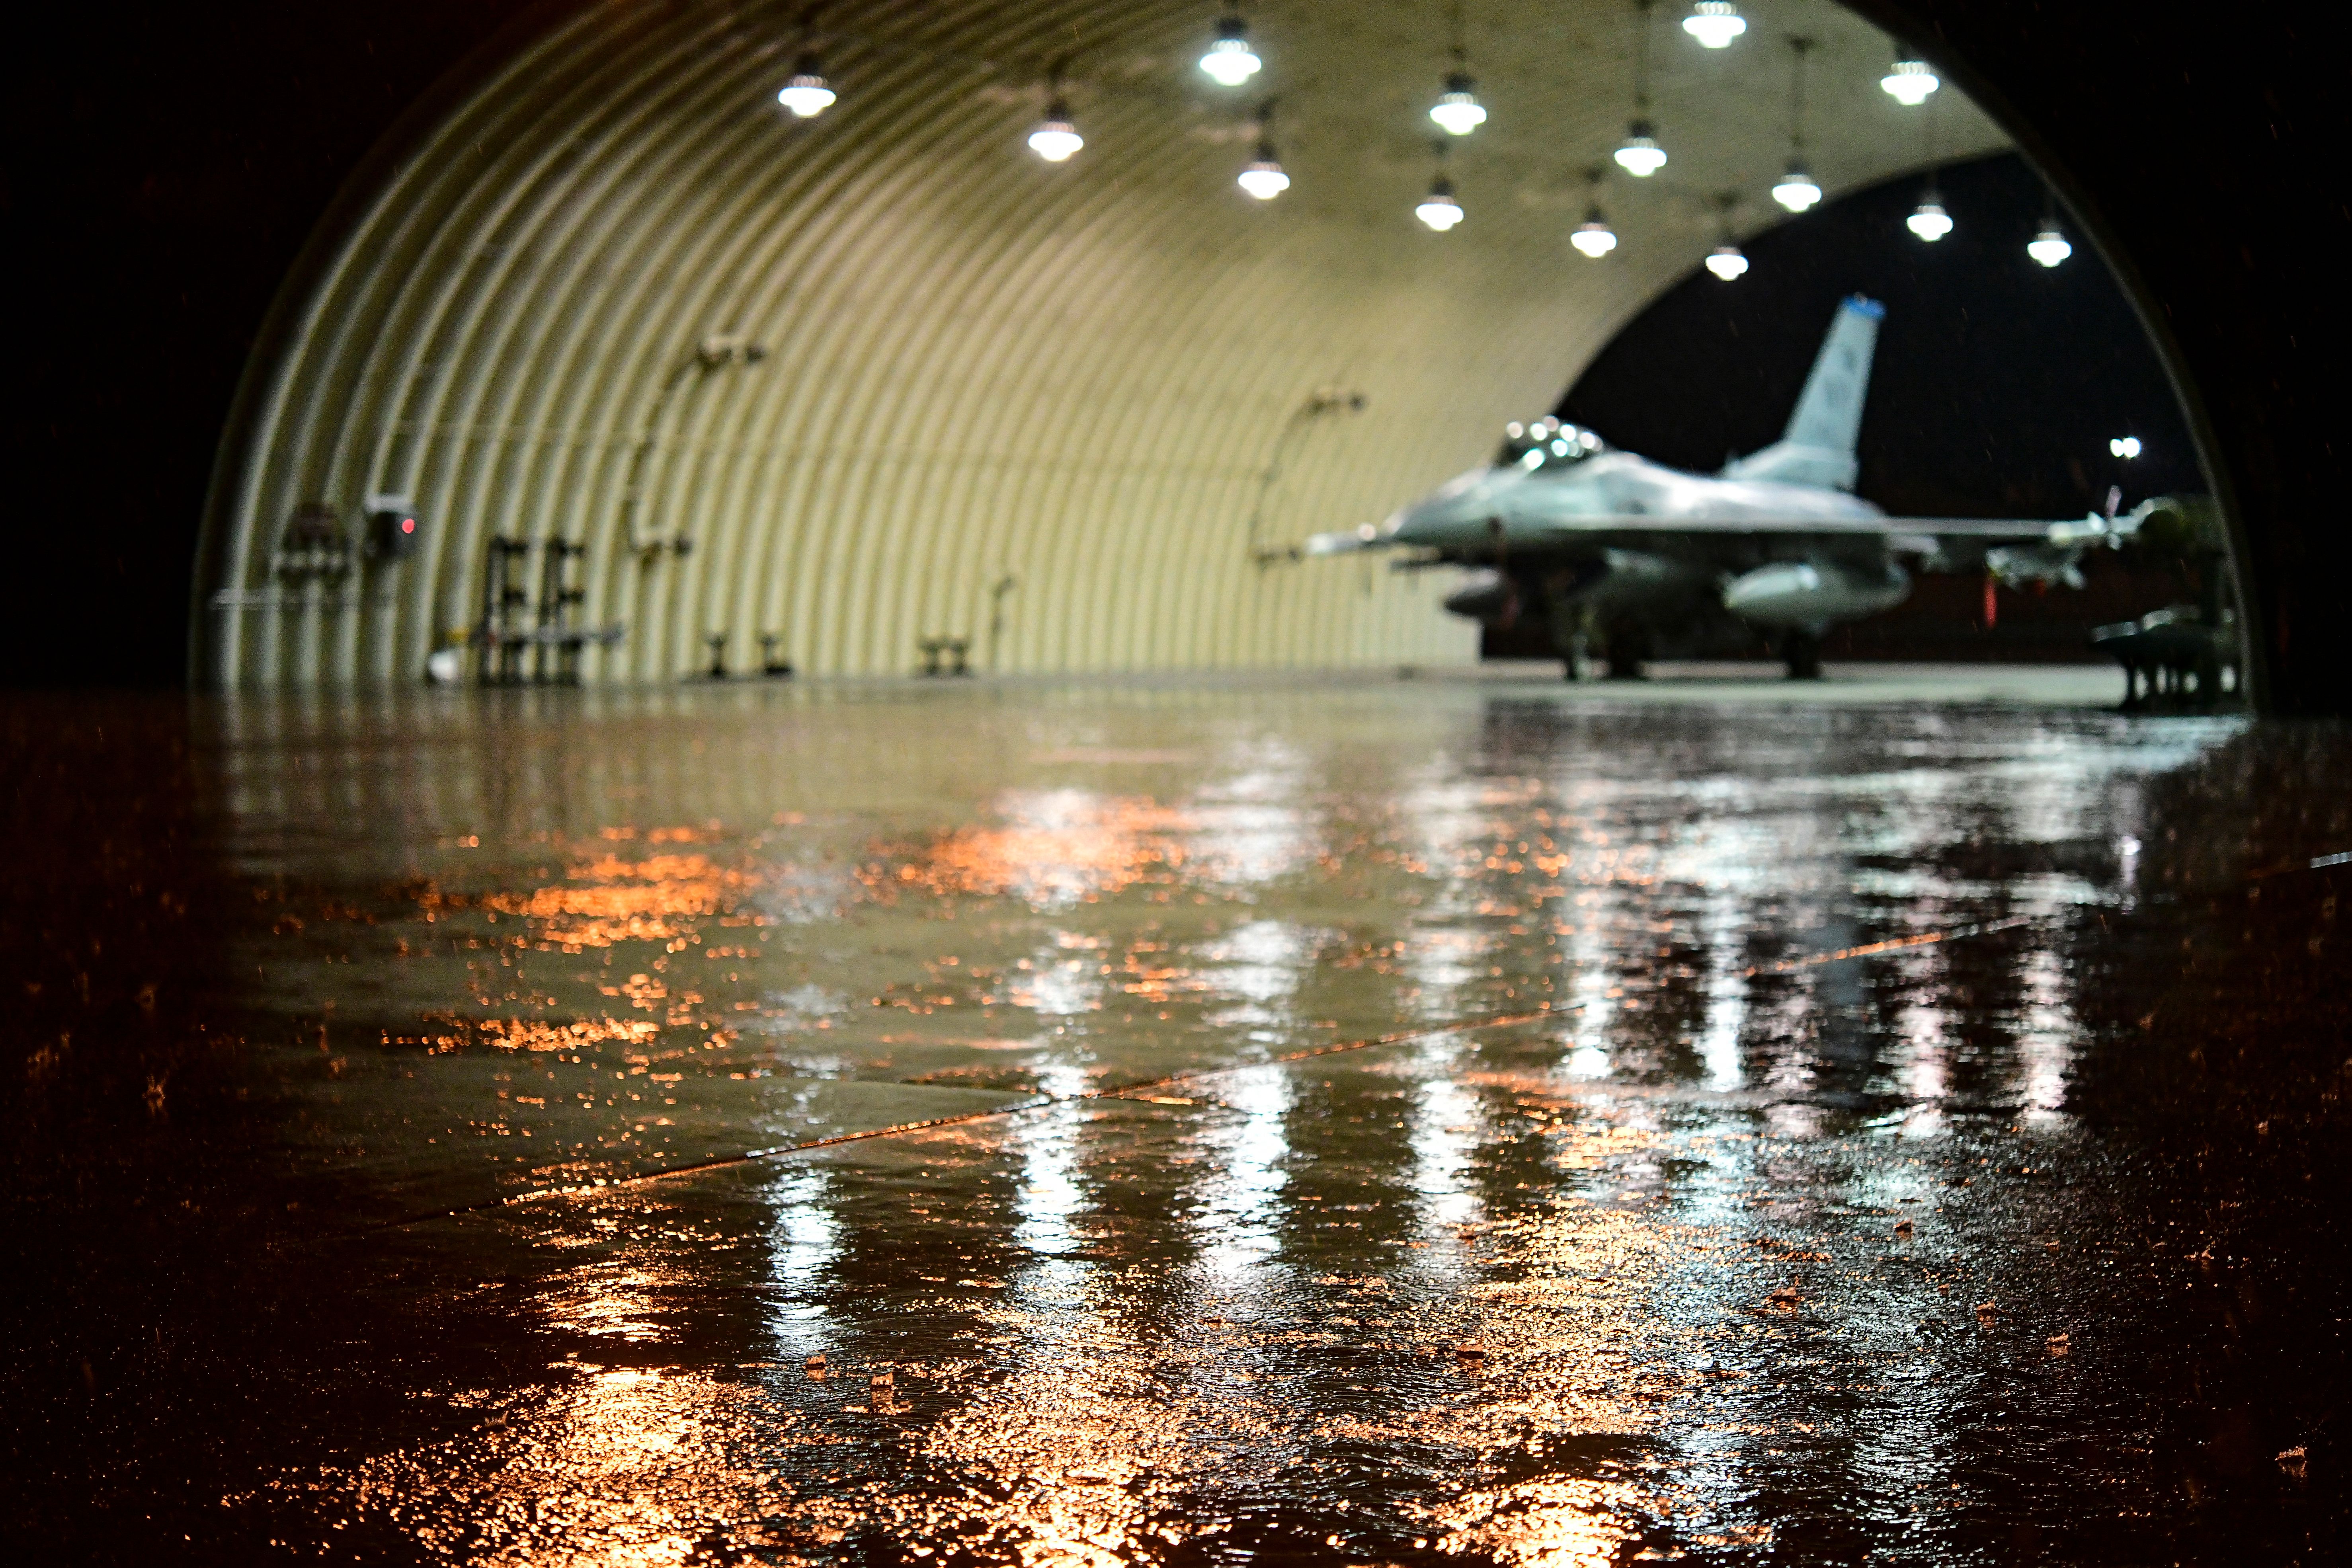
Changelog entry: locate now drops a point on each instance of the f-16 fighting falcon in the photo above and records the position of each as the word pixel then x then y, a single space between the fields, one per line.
pixel 1634 559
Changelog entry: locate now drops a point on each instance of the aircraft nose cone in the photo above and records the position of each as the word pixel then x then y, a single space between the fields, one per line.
pixel 1441 517
pixel 1407 525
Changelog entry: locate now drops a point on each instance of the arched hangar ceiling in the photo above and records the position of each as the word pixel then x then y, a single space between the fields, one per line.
pixel 1086 379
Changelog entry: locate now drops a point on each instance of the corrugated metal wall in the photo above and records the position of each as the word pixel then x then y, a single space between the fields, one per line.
pixel 1081 378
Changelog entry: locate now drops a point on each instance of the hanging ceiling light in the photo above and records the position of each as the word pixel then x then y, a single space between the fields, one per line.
pixel 1641 156
pixel 1457 111
pixel 1928 220
pixel 807 94
pixel 2049 246
pixel 1727 261
pixel 1230 60
pixel 1593 237
pixel 1263 177
pixel 1715 23
pixel 1796 189
pixel 1056 138
pixel 1439 210
pixel 1909 82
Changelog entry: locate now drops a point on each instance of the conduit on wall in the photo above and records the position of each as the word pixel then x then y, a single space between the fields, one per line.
pixel 979 367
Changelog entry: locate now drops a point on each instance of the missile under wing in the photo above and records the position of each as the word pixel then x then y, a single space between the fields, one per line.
pixel 1612 550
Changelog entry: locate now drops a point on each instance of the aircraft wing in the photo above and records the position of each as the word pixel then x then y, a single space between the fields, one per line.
pixel 2034 530
pixel 1906 533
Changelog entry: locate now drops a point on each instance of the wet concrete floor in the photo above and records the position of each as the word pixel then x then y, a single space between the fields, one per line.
pixel 1336 1121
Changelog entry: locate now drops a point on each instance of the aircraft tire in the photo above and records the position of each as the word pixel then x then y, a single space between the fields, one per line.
pixel 1627 647
pixel 1801 652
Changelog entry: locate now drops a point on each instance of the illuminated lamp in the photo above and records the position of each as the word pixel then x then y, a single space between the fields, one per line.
pixel 1909 82
pixel 1796 189
pixel 1593 237
pixel 1457 111
pixel 808 94
pixel 1928 220
pixel 1439 210
pixel 1715 23
pixel 1263 178
pixel 1727 262
pixel 1230 60
pixel 1641 156
pixel 1055 139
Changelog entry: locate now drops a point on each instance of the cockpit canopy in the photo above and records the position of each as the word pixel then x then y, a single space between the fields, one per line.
pixel 1546 444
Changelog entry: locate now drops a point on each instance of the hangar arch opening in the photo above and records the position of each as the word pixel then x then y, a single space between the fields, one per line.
pixel 622 369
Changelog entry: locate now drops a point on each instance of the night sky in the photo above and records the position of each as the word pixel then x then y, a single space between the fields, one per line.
pixel 1998 383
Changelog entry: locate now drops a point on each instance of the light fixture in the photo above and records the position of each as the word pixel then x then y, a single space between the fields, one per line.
pixel 1928 220
pixel 1727 261
pixel 1055 139
pixel 1797 191
pixel 1439 210
pixel 2125 446
pixel 1641 156
pixel 2049 247
pixel 1715 23
pixel 1909 82
pixel 1230 60
pixel 1263 177
pixel 1593 237
pixel 1457 111
pixel 807 94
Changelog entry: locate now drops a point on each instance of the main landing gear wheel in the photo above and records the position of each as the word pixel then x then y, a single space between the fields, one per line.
pixel 1801 652
pixel 1630 647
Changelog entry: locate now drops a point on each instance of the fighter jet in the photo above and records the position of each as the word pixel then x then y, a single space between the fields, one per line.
pixel 1636 561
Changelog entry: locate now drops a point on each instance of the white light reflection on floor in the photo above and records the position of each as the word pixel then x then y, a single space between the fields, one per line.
pixel 2046 1033
pixel 1250 831
pixel 1444 1133
pixel 1923 1026
pixel 1240 1194
pixel 1593 988
pixel 1727 990
pixel 1259 965
pixel 804 1241
pixel 1051 1192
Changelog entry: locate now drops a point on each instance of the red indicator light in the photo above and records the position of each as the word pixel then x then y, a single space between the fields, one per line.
pixel 408 525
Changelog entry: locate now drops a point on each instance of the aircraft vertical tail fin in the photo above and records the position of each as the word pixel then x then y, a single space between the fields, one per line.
pixel 1818 446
